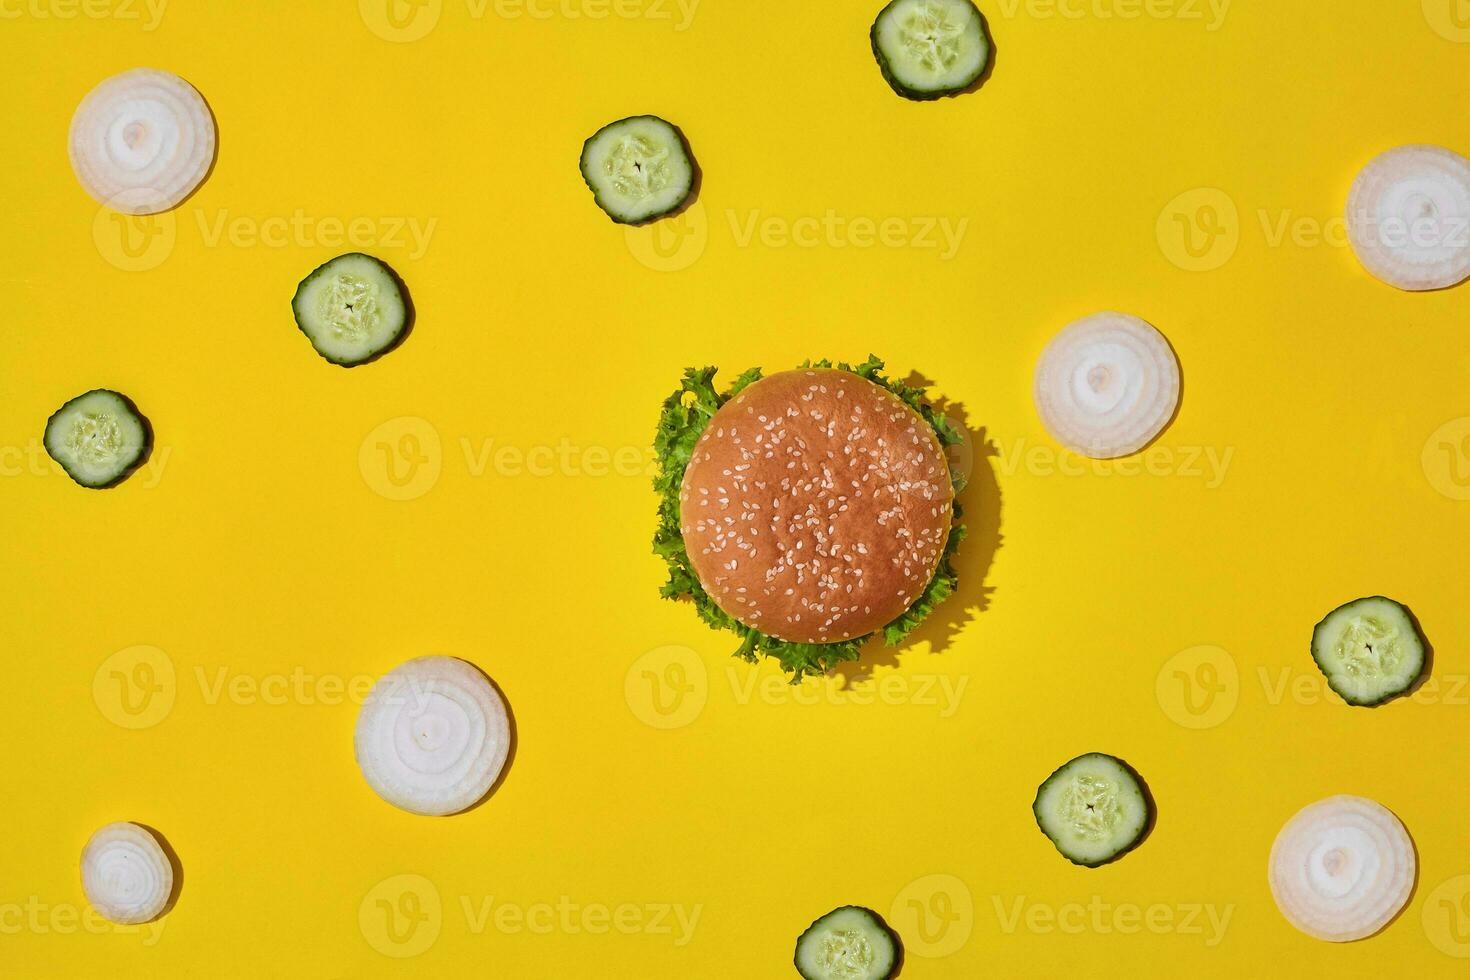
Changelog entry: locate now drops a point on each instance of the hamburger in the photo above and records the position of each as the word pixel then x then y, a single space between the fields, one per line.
pixel 807 511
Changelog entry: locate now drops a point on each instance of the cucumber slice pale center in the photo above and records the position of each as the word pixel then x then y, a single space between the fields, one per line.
pixel 1091 808
pixel 638 167
pixel 1370 649
pixel 349 307
pixel 95 439
pixel 846 954
pixel 931 34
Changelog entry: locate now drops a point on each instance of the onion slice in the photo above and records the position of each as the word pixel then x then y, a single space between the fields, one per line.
pixel 432 736
pixel 1342 868
pixel 142 141
pixel 1106 385
pixel 126 874
pixel 1408 217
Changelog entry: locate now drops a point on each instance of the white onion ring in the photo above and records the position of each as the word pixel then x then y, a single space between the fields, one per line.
pixel 126 874
pixel 142 141
pixel 1106 385
pixel 1408 217
pixel 1342 868
pixel 432 736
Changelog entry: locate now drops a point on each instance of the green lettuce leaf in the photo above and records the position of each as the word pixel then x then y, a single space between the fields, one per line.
pixel 685 414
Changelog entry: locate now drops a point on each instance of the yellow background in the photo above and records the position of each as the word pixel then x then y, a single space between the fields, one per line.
pixel 261 547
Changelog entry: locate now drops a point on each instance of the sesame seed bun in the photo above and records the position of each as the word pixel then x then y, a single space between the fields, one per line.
pixel 816 506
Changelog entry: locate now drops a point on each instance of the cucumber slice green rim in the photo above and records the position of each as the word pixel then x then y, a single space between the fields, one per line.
pixel 639 169
pixel 99 438
pixel 1094 808
pixel 848 943
pixel 353 308
pixel 1371 650
pixel 928 49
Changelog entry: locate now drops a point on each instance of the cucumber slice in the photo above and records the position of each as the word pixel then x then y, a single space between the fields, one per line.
pixel 99 438
pixel 848 943
pixel 638 168
pixel 1369 649
pixel 353 309
pixel 1094 809
pixel 930 48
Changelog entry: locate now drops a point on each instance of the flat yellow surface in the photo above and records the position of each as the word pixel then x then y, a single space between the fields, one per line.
pixel 483 490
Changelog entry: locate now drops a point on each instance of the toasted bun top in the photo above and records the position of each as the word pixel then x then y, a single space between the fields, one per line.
pixel 816 506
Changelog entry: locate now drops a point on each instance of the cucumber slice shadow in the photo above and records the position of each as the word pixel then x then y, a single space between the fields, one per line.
pixel 989 69
pixel 510 754
pixel 1426 671
pixel 172 857
pixel 696 180
pixel 979 507
pixel 1148 824
pixel 410 318
pixel 899 954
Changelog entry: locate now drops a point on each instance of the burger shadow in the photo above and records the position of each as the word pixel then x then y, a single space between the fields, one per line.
pixel 172 857
pixel 510 754
pixel 980 505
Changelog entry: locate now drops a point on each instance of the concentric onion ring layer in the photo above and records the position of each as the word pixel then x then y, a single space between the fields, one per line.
pixel 126 875
pixel 1408 217
pixel 142 141
pixel 432 736
pixel 1106 385
pixel 1342 868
